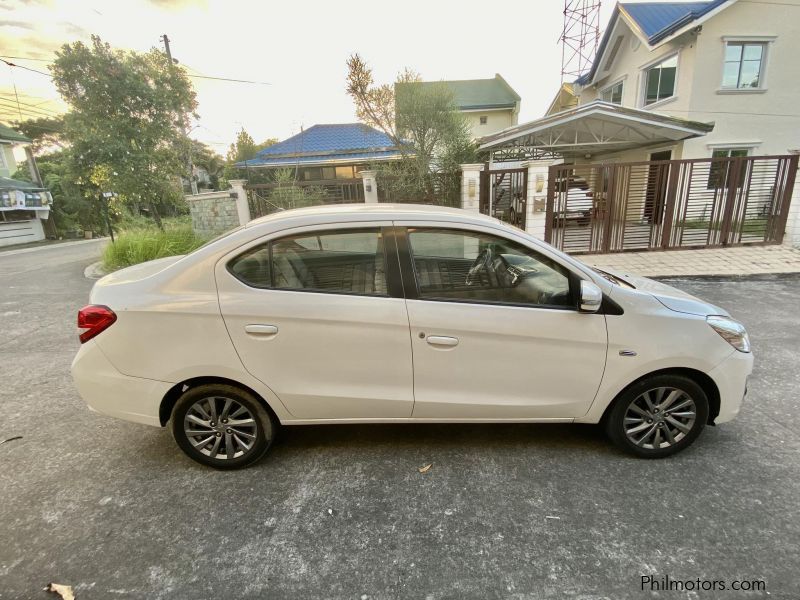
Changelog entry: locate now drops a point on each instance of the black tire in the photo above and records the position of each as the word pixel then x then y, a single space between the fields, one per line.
pixel 615 424
pixel 264 427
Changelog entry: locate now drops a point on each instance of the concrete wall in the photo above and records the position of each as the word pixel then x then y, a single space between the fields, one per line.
pixel 213 212
pixel 21 232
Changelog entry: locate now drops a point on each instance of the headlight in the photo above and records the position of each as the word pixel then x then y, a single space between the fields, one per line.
pixel 731 331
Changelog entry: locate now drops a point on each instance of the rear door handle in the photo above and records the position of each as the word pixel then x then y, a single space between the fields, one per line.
pixel 442 340
pixel 261 330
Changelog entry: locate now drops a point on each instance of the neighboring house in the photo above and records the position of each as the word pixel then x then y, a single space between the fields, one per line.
pixel 325 153
pixel 488 104
pixel 733 64
pixel 23 205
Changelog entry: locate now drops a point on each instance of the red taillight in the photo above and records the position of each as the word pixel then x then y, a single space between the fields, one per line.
pixel 94 318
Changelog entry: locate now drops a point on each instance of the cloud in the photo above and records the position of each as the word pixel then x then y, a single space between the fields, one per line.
pixel 19 24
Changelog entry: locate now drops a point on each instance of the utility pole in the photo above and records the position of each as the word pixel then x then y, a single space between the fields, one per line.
pixel 189 165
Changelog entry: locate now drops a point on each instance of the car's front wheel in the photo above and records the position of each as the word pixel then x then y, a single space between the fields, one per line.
pixel 222 426
pixel 658 416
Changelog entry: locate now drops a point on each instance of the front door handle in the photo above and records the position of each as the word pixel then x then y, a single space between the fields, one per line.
pixel 442 340
pixel 261 330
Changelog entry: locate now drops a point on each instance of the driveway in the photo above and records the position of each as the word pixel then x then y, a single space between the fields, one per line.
pixel 517 511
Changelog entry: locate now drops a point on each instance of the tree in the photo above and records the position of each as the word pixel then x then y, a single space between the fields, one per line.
pixel 244 148
pixel 423 122
pixel 128 112
pixel 46 133
pixel 206 158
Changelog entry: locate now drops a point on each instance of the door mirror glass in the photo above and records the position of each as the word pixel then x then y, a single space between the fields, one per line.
pixel 591 297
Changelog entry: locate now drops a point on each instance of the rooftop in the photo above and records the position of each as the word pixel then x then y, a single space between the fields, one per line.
pixel 9 135
pixel 475 94
pixel 327 144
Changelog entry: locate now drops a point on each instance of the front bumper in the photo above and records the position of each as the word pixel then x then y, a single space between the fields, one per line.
pixel 109 392
pixel 731 379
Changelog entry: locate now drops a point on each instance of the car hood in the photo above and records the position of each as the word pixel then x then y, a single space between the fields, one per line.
pixel 672 298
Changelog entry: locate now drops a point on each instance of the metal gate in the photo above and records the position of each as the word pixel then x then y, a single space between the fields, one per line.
pixel 669 204
pixel 509 198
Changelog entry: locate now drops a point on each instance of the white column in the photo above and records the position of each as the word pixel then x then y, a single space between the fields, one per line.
pixel 471 187
pixel 242 207
pixel 791 236
pixel 370 186
pixel 537 196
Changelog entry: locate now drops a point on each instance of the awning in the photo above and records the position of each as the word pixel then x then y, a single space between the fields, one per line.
pixel 594 128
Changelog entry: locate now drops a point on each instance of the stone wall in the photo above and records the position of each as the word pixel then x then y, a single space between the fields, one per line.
pixel 213 212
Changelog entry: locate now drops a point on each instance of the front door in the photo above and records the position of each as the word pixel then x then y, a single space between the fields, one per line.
pixel 313 317
pixel 495 331
pixel 656 192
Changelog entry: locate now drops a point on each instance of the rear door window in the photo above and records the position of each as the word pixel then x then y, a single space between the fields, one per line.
pixel 334 261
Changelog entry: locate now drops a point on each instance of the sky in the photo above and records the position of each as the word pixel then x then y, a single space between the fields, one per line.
pixel 298 48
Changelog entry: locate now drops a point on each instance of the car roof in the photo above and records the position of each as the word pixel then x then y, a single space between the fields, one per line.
pixel 331 213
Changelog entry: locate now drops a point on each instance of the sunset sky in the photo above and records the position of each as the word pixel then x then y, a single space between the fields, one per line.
pixel 298 48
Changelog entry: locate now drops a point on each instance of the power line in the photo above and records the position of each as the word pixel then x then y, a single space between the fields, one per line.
pixel 11 64
pixel 19 108
pixel 44 60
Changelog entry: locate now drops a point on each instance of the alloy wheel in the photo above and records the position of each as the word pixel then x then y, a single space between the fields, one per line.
pixel 220 428
pixel 660 418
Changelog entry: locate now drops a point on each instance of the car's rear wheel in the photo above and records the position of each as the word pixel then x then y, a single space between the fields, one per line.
pixel 222 426
pixel 658 416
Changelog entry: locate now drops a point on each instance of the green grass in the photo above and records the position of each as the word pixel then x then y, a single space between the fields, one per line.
pixel 139 244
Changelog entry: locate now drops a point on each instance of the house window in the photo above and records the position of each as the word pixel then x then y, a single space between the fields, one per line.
pixel 484 119
pixel 660 80
pixel 345 172
pixel 718 172
pixel 743 63
pixel 613 94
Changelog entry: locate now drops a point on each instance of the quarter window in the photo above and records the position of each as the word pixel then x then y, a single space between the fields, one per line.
pixel 660 80
pixel 477 267
pixel 342 261
pixel 613 94
pixel 742 65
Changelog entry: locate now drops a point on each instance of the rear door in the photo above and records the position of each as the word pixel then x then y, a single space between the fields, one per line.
pixel 494 329
pixel 317 314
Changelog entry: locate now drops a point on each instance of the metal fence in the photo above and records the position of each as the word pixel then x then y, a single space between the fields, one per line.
pixel 266 198
pixel 669 204
pixel 509 195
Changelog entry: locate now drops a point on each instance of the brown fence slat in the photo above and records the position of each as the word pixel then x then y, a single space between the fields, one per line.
pixel 684 203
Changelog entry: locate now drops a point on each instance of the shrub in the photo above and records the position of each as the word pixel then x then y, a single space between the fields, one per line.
pixel 140 244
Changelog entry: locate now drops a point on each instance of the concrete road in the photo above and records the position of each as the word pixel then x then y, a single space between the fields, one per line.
pixel 518 511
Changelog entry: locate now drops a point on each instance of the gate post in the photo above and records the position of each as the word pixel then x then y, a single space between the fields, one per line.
pixel 791 224
pixel 470 187
pixel 370 186
pixel 536 197
pixel 242 207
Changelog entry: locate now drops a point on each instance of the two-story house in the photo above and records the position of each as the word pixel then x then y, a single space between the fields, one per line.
pixel 727 62
pixel 489 105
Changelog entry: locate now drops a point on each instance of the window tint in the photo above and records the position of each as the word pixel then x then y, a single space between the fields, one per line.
pixel 349 261
pixel 464 265
pixel 660 80
pixel 742 66
pixel 613 94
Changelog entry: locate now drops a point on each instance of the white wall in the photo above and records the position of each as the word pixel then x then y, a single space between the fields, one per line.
pixel 21 232
pixel 496 120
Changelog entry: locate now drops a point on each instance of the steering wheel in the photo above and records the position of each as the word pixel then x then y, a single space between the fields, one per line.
pixel 482 261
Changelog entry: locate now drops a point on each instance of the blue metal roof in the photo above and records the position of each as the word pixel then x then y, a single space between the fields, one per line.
pixel 322 144
pixel 655 20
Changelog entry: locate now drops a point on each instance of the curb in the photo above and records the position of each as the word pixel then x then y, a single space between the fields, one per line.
pixel 95 270
pixel 48 246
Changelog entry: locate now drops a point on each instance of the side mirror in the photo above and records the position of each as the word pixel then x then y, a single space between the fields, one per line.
pixel 591 297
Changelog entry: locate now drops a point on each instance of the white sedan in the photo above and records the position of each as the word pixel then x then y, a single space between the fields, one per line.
pixel 400 314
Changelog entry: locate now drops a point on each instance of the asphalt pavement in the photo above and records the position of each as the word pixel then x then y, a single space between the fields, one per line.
pixel 506 511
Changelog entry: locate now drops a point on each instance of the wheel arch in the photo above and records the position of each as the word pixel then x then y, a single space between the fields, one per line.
pixel 702 379
pixel 176 391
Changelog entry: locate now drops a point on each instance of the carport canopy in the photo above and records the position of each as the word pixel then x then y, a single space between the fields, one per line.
pixel 594 128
